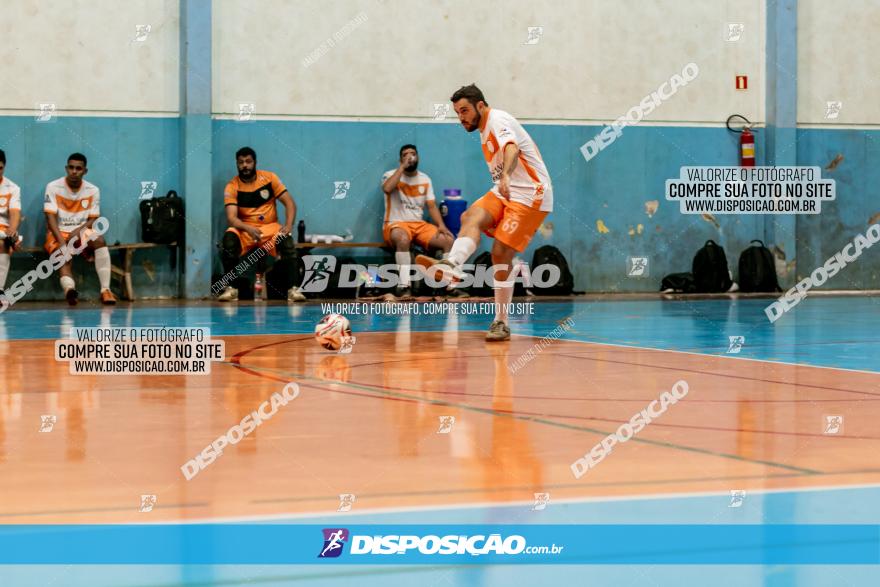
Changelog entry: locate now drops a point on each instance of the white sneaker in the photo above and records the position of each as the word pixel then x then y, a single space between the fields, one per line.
pixel 442 271
pixel 230 294
pixel 295 294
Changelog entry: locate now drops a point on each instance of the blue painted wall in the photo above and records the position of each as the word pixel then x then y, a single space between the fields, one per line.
pixel 858 200
pixel 122 152
pixel 612 187
pixel 310 156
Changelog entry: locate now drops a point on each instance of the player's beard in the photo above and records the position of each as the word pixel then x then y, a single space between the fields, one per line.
pixel 412 167
pixel 247 175
pixel 476 123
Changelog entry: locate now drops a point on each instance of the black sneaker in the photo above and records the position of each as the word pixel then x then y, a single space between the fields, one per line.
pixel 403 292
pixel 457 292
pixel 72 296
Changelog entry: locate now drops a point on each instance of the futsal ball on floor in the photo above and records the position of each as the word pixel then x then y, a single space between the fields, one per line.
pixel 331 331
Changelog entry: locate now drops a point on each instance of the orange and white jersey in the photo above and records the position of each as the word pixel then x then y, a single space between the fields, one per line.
pixel 73 209
pixel 529 180
pixel 406 203
pixel 10 199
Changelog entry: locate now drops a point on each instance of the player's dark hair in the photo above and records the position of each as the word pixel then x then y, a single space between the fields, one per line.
pixel 2 156
pixel 405 147
pixel 78 157
pixel 244 152
pixel 471 93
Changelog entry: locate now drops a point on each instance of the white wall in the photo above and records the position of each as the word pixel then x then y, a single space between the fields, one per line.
pixel 80 54
pixel 596 59
pixel 838 49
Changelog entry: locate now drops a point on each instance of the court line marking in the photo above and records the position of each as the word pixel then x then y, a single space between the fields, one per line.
pixel 589 342
pixel 307 338
pixel 721 356
pixel 727 375
pixel 95 510
pixel 594 342
pixel 254 370
pixel 475 328
pixel 562 486
pixel 876 397
pixel 381 387
pixel 330 573
pixel 715 429
pixel 527 503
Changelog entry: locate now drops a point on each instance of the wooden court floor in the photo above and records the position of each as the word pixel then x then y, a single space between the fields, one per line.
pixel 375 424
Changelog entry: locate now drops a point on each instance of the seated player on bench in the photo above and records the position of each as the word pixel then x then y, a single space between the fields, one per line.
pixel 250 199
pixel 71 206
pixel 10 216
pixel 407 192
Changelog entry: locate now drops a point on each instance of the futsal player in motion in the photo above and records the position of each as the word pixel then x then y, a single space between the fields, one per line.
pixel 511 212
pixel 71 206
pixel 10 216
pixel 407 192
pixel 250 200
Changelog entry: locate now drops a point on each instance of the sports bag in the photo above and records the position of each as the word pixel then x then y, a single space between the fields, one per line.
pixel 711 274
pixel 757 269
pixel 162 219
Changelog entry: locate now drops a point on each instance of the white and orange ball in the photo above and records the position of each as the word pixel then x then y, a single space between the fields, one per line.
pixel 331 331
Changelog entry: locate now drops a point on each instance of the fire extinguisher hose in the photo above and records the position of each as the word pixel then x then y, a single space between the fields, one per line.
pixel 747 125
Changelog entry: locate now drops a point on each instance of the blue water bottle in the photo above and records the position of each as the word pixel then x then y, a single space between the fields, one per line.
pixel 451 208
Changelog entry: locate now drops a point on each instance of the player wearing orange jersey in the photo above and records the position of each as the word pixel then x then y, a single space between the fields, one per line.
pixel 10 216
pixel 511 212
pixel 72 205
pixel 407 192
pixel 250 199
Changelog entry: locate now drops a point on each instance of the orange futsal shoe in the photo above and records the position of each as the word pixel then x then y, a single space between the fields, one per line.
pixel 107 297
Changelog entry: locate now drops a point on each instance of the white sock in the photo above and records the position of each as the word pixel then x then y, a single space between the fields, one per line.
pixel 403 265
pixel 4 269
pixel 462 249
pixel 503 296
pixel 67 283
pixel 102 266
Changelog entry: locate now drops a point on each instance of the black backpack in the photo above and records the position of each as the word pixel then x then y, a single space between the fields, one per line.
pixel 711 274
pixel 162 219
pixel 679 283
pixel 757 269
pixel 550 255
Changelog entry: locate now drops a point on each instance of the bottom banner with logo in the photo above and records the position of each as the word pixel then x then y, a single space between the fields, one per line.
pixel 220 544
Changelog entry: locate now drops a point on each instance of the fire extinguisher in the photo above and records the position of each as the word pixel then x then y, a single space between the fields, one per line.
pixel 746 142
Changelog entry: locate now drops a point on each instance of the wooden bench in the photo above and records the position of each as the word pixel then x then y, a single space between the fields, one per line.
pixel 127 261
